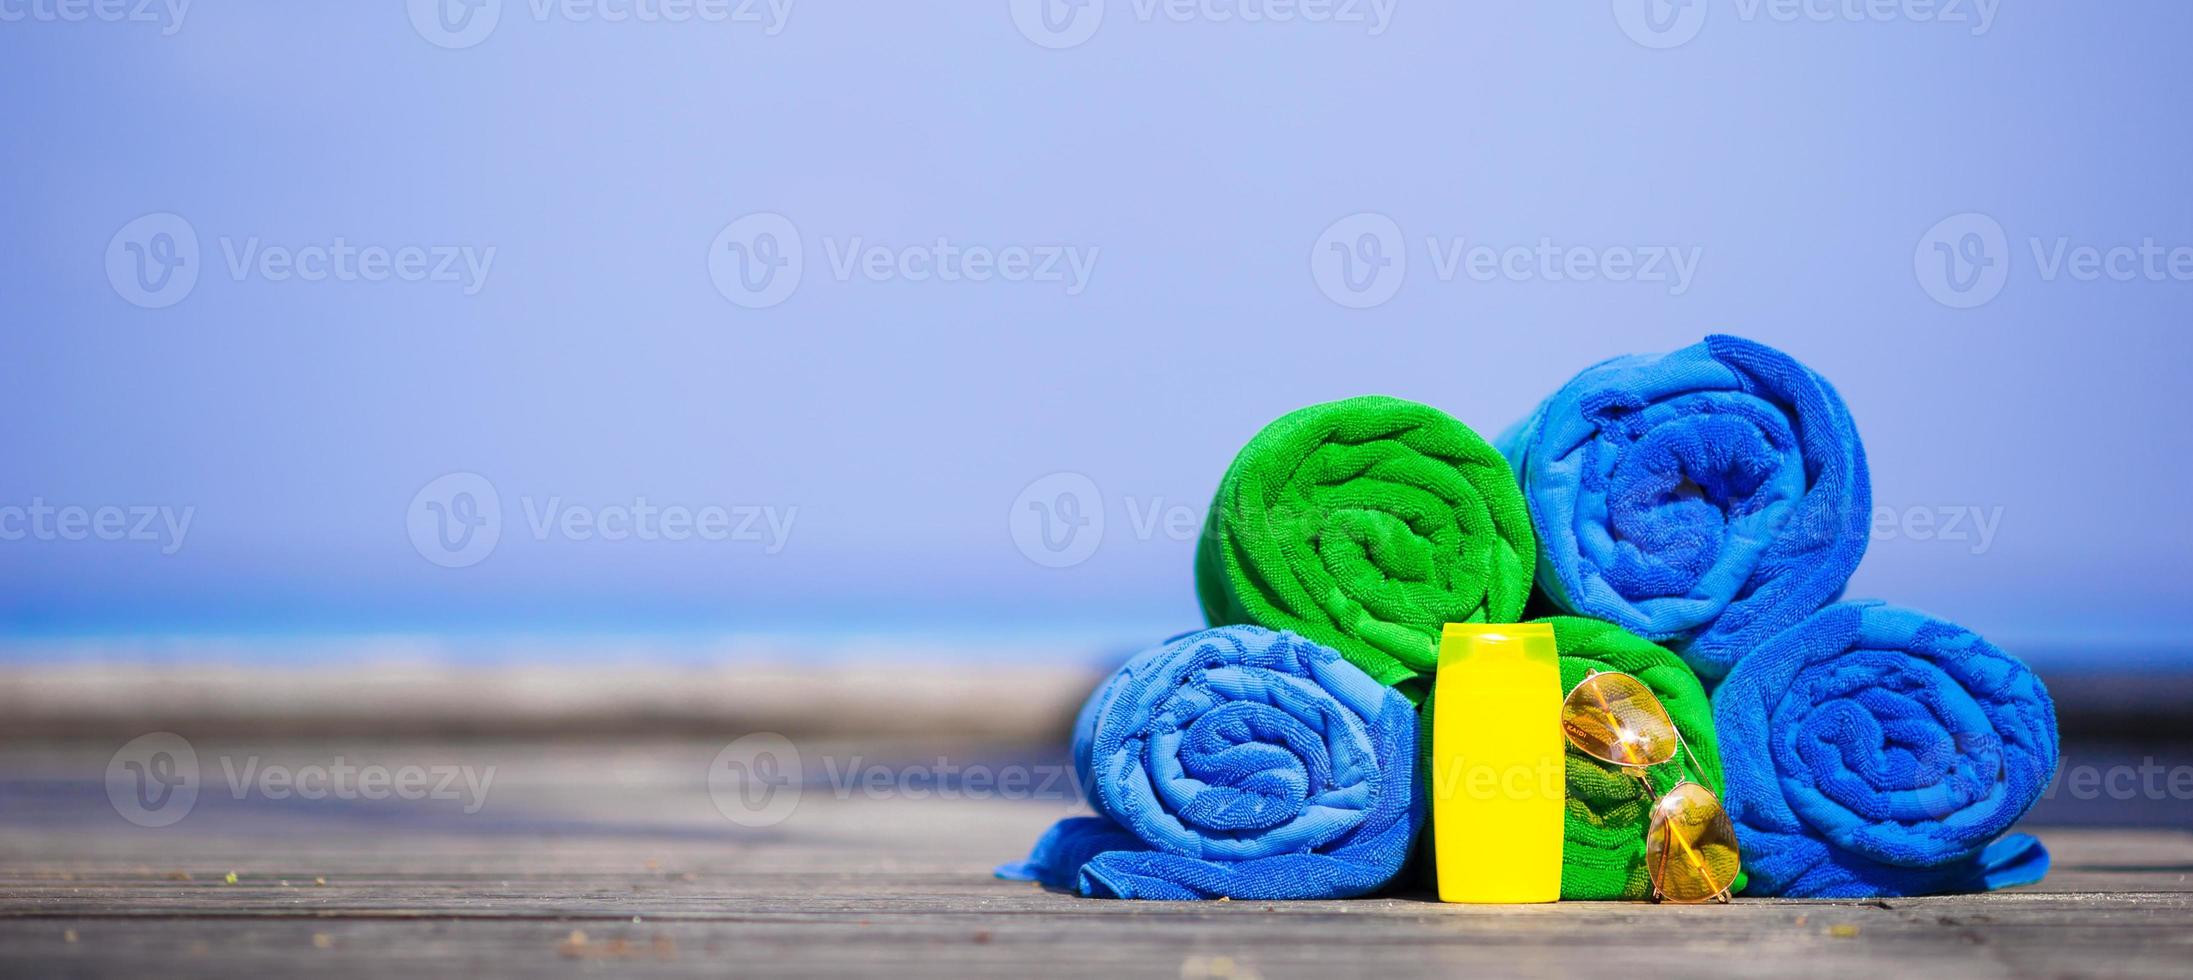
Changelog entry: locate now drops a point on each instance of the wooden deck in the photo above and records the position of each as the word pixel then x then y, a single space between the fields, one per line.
pixel 585 856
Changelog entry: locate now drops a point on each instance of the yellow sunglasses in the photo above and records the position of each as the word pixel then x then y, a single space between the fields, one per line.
pixel 1690 846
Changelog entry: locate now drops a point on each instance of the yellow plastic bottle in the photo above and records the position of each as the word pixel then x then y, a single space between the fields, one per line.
pixel 1497 783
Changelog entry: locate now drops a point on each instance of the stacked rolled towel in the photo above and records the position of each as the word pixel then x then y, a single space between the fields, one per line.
pixel 1706 498
pixel 1608 811
pixel 1237 762
pixel 1366 525
pixel 1876 751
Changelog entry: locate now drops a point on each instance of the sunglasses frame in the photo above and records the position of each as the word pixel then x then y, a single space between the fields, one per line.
pixel 1642 773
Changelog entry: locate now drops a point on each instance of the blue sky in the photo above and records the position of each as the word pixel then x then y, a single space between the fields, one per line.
pixel 553 254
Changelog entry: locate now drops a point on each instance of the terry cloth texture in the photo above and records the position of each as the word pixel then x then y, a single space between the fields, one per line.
pixel 1608 811
pixel 1237 762
pixel 1874 751
pixel 1705 499
pixel 1366 525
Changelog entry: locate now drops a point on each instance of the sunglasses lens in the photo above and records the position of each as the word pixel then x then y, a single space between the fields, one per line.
pixel 1691 848
pixel 1615 718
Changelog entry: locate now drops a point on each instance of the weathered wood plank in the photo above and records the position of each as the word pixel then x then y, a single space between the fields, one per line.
pixel 589 837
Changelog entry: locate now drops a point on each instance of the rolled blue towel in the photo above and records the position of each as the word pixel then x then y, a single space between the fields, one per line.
pixel 1237 762
pixel 1704 499
pixel 1872 751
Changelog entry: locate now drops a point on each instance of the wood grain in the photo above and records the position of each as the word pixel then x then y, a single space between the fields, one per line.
pixel 598 855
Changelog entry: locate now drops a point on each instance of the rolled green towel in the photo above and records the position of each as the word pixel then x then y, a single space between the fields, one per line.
pixel 1367 524
pixel 1603 834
